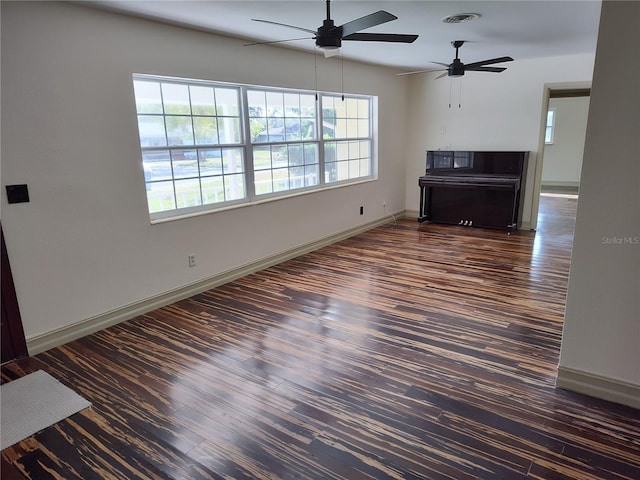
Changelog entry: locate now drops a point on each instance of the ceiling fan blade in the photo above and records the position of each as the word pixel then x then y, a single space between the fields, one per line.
pixel 446 72
pixel 368 21
pixel 284 25
pixel 381 37
pixel 277 41
pixel 486 69
pixel 414 72
pixel 440 63
pixel 487 62
pixel 442 75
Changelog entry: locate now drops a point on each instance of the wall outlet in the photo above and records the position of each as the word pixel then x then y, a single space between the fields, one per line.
pixel 192 260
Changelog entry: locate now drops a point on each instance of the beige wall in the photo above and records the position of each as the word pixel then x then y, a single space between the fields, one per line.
pixel 602 322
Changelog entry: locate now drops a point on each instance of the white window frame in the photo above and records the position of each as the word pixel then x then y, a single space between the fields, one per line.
pixel 369 163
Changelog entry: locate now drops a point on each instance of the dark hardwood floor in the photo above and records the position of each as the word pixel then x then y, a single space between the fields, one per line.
pixel 410 351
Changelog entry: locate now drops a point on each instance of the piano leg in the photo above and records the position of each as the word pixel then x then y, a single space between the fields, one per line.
pixel 425 193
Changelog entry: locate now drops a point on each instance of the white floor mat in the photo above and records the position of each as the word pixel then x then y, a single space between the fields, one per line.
pixel 32 403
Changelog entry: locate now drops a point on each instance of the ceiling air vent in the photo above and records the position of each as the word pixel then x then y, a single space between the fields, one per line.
pixel 461 17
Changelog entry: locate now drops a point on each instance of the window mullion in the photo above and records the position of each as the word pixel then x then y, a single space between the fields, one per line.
pixel 320 137
pixel 193 131
pixel 249 176
pixel 166 139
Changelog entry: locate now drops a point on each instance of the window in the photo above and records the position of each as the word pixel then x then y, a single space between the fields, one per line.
pixel 191 144
pixel 347 133
pixel 284 140
pixel 208 145
pixel 551 123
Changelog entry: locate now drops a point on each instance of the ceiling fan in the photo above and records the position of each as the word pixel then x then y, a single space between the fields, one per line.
pixel 457 68
pixel 329 37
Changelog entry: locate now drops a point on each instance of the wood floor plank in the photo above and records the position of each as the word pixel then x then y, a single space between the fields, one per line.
pixel 407 352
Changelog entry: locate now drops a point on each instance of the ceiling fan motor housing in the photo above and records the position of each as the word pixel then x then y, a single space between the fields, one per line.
pixel 456 68
pixel 329 36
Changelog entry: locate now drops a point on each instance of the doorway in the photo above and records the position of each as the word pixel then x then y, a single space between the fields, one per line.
pixel 564 123
pixel 564 141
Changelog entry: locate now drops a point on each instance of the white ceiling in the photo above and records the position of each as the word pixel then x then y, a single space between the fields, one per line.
pixel 518 28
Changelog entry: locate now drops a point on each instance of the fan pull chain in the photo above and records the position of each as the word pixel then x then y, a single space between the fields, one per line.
pixel 450 82
pixel 315 66
pixel 460 95
pixel 342 80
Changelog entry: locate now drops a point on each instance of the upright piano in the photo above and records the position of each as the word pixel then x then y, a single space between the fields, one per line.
pixel 473 188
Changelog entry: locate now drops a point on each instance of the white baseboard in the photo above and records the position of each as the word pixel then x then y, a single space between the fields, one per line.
pixel 597 386
pixel 525 226
pixel 412 214
pixel 561 183
pixel 43 342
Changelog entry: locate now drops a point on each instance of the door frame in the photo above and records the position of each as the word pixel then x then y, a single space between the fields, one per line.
pixel 10 301
pixel 546 95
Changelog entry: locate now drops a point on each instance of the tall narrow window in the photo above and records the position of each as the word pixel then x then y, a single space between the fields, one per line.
pixel 191 140
pixel 551 123
pixel 346 129
pixel 284 140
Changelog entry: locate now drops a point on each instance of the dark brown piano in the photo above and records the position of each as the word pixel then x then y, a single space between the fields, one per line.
pixel 473 188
